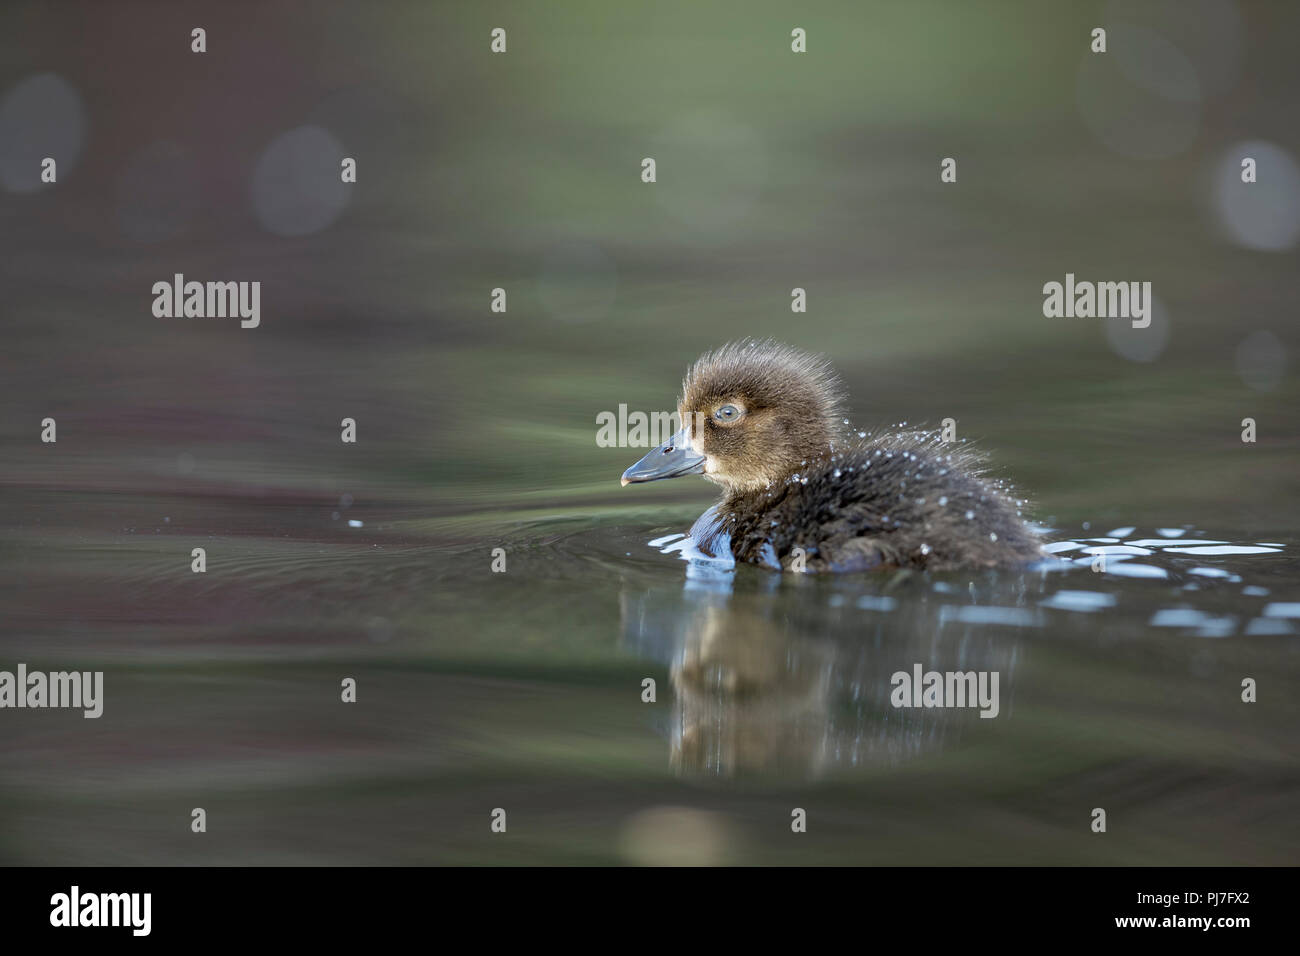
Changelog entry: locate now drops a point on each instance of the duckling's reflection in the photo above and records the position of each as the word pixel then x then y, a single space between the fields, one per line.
pixel 790 678
pixel 750 697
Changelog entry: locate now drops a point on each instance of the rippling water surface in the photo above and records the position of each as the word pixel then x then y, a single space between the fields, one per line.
pixel 1174 573
pixel 1118 687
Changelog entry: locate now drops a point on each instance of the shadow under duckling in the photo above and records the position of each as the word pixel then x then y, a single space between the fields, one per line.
pixel 801 492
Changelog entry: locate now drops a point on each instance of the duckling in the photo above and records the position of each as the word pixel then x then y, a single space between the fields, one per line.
pixel 801 492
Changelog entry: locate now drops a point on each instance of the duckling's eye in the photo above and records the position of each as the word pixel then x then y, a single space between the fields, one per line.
pixel 727 413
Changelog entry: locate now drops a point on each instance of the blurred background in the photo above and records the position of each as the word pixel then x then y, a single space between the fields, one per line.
pixel 476 430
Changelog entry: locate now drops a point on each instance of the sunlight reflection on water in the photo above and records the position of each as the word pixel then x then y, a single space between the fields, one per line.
pixel 772 676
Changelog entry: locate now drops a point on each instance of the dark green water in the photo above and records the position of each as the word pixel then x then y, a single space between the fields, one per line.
pixel 522 690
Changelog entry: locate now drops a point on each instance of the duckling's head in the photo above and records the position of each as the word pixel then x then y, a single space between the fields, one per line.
pixel 753 414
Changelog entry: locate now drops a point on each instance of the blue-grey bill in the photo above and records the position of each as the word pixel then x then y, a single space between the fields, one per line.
pixel 673 458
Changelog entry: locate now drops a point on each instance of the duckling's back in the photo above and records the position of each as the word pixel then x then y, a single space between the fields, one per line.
pixel 892 499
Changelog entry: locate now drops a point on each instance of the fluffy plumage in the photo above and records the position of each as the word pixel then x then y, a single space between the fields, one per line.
pixel 794 477
pixel 792 403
